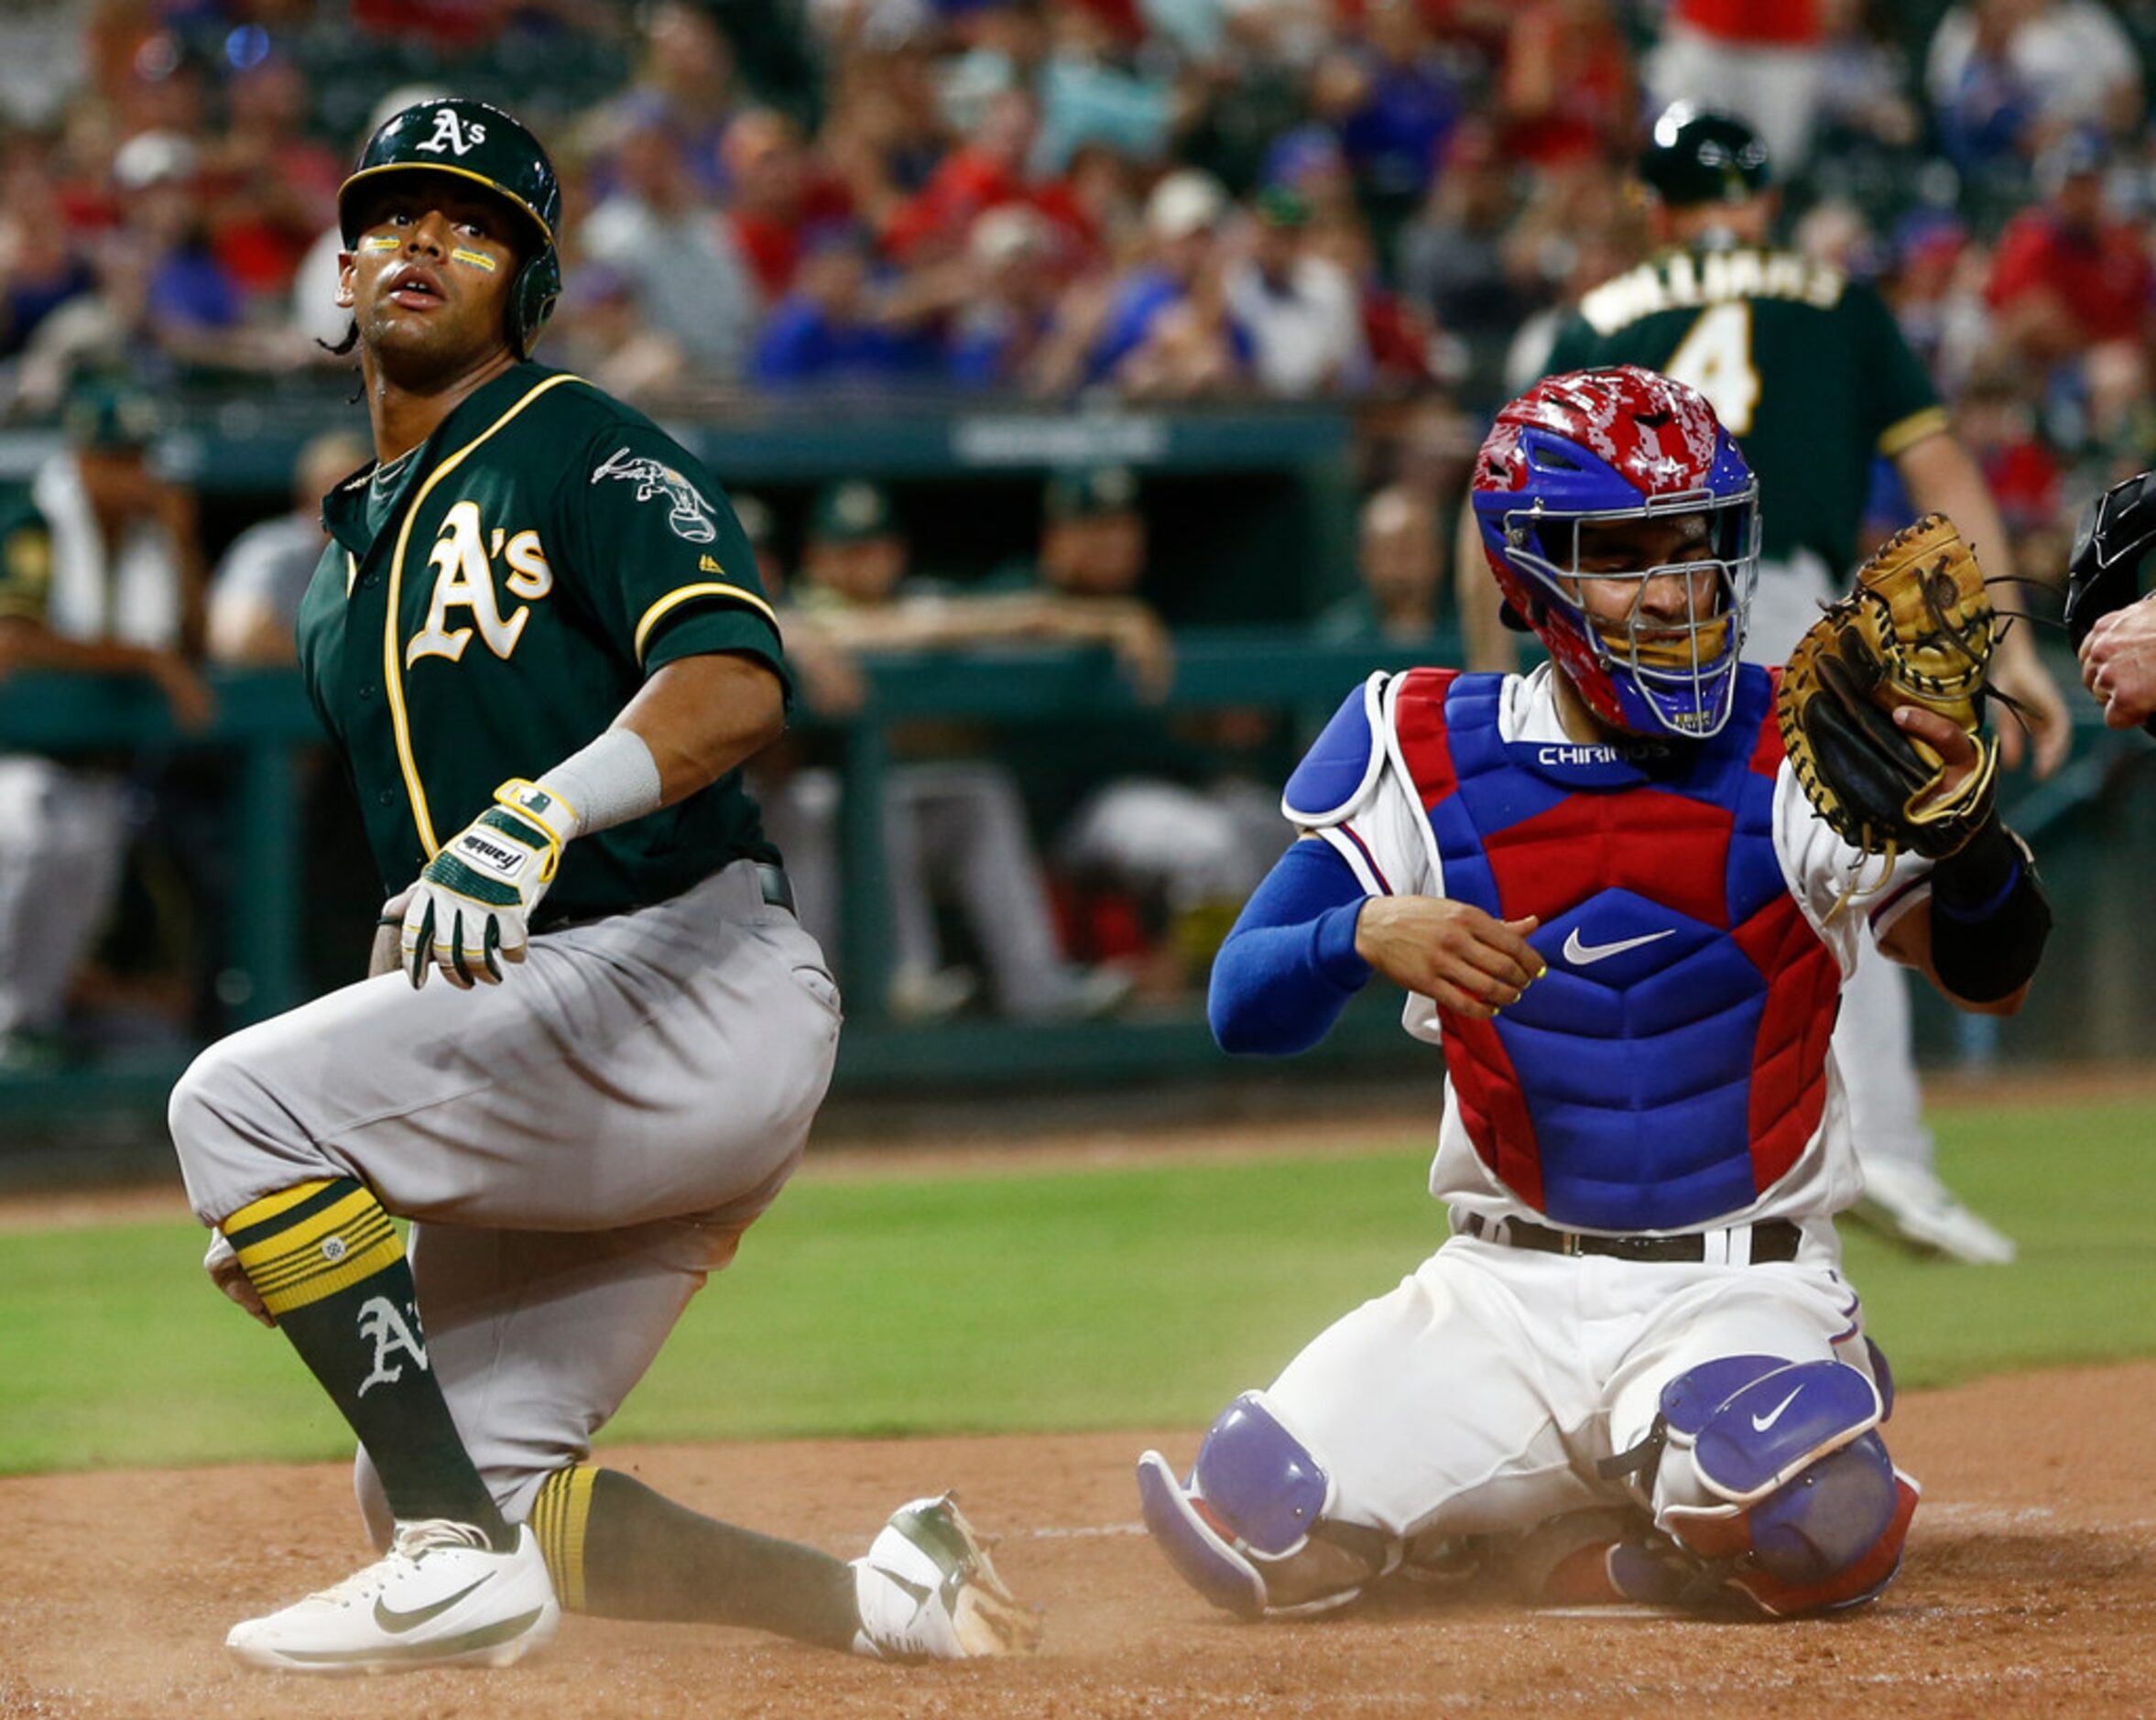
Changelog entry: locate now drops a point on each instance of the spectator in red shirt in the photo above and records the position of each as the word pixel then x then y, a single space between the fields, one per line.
pixel 269 188
pixel 1998 429
pixel 986 171
pixel 779 195
pixel 883 134
pixel 1567 93
pixel 2066 280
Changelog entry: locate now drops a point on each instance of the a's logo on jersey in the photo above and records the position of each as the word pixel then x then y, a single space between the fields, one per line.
pixel 462 558
pixel 690 515
pixel 452 133
pixel 385 1328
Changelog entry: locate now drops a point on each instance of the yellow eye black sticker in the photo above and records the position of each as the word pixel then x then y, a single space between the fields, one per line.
pixel 477 259
pixel 380 242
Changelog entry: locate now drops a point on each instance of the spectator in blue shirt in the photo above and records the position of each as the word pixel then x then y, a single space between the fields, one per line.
pixel 1407 109
pixel 998 332
pixel 833 330
pixel 1166 331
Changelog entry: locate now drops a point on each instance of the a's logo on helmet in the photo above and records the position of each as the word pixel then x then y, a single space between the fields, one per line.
pixel 453 133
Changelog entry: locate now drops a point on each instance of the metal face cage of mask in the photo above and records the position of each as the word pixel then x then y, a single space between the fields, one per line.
pixel 1682 670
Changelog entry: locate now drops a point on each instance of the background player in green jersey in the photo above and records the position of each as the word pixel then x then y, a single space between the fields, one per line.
pixel 1809 371
pixel 539 641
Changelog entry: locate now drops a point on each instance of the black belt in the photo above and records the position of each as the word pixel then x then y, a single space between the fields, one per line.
pixel 1774 1241
pixel 774 885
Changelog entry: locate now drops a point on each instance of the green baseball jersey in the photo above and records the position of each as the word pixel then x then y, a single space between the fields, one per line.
pixel 489 602
pixel 1805 367
pixel 26 556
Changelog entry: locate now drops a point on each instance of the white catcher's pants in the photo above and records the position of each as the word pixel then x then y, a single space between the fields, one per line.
pixel 1479 1397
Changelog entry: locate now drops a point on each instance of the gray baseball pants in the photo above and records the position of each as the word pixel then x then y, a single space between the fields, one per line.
pixel 579 1147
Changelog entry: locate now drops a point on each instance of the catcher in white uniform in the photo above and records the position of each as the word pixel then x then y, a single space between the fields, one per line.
pixel 1615 908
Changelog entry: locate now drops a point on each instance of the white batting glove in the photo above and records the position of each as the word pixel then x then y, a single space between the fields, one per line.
pixel 472 906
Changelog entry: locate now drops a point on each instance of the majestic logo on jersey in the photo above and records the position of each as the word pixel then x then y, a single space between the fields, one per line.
pixel 454 135
pixel 462 560
pixel 690 515
pixel 385 1328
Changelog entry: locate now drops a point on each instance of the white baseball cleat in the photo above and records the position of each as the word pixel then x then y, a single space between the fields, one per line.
pixel 441 1597
pixel 1909 1203
pixel 926 1590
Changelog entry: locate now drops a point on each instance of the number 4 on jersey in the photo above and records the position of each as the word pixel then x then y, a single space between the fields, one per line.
pixel 1716 358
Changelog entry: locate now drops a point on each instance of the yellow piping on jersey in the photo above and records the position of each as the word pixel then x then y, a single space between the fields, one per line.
pixel 687 594
pixel 392 658
pixel 1921 425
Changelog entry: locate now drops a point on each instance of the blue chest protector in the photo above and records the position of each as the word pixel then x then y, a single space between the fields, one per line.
pixel 1671 1066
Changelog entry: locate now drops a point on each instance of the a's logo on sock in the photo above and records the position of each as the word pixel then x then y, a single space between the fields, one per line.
pixel 333 1249
pixel 380 1322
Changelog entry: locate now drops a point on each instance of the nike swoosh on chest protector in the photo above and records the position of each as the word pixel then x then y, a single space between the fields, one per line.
pixel 1580 954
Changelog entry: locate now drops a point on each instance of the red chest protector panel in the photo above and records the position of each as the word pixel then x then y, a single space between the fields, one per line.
pixel 1672 1066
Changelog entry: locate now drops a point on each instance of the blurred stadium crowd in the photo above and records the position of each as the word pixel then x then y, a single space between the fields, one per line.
pixel 1165 199
pixel 1385 204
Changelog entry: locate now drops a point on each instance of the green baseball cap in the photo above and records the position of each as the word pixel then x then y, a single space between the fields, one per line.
pixel 855 511
pixel 1091 491
pixel 1282 206
pixel 110 413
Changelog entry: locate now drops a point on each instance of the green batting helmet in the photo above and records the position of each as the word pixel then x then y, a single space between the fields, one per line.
pixel 475 141
pixel 1696 156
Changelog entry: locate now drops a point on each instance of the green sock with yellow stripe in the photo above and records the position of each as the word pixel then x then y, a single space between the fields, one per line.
pixel 329 1266
pixel 618 1550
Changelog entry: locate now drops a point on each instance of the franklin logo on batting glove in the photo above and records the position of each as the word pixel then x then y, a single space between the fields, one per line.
pixel 471 907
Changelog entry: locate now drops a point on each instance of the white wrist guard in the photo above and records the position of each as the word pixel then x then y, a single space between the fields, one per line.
pixel 611 781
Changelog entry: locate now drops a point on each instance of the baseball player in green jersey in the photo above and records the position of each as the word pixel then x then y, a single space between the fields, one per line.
pixel 1809 372
pixel 539 643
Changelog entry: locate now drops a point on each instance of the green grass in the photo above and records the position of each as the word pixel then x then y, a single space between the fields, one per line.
pixel 1131 1296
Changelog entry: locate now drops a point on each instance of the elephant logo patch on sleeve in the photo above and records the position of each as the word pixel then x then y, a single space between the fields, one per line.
pixel 688 513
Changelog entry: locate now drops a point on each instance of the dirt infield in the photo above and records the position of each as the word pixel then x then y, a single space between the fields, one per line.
pixel 2030 1588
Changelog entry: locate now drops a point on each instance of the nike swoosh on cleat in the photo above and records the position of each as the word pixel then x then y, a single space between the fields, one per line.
pixel 919 1592
pixel 1580 954
pixel 397 1623
pixel 419 1653
pixel 1760 1423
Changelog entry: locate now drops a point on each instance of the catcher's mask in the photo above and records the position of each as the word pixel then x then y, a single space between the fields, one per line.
pixel 1625 444
pixel 471 140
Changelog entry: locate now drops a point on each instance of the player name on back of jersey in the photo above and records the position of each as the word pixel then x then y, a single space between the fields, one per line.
pixel 1682 279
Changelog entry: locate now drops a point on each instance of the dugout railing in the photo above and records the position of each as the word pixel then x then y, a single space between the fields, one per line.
pixel 265 726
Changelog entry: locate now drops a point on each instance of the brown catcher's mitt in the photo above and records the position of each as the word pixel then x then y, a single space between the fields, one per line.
pixel 1918 629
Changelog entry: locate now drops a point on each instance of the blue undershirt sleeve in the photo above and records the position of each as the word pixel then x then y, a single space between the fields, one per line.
pixel 1290 966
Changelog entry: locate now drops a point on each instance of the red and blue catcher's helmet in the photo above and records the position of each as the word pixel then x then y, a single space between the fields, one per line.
pixel 1610 445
